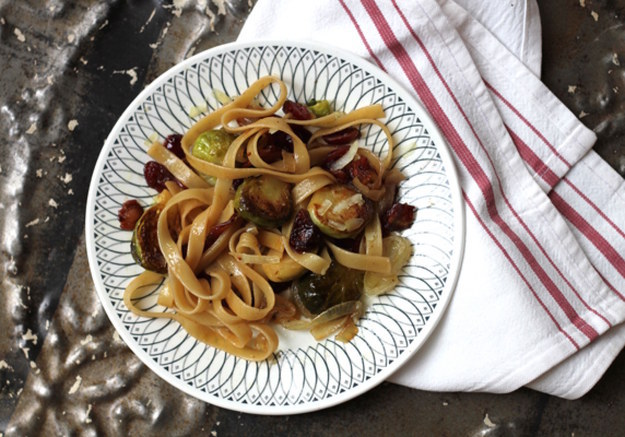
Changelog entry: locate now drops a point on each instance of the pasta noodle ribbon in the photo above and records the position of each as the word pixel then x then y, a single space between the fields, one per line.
pixel 222 270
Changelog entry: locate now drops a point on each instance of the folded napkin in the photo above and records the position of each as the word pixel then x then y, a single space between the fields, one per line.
pixel 541 292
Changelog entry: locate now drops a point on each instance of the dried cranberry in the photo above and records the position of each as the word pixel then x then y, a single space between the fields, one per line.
pixel 282 140
pixel 173 143
pixel 345 136
pixel 268 150
pixel 305 237
pixel 297 110
pixel 361 169
pixel 129 214
pixel 215 231
pixel 334 155
pixel 303 133
pixel 244 121
pixel 342 175
pixel 398 217
pixel 157 174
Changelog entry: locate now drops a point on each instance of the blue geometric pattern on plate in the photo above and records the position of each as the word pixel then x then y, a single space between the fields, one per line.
pixel 303 375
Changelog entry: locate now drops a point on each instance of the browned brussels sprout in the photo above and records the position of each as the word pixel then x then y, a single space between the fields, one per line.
pixel 264 200
pixel 144 244
pixel 314 293
pixel 339 212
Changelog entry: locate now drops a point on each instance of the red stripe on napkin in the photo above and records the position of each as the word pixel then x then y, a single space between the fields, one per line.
pixel 527 123
pixel 589 232
pixel 595 207
pixel 516 268
pixel 537 164
pixel 362 36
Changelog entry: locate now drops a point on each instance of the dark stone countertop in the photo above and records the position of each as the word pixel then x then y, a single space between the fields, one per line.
pixel 69 69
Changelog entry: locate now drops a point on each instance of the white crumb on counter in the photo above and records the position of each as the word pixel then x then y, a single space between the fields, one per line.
pixel 615 60
pixel 147 22
pixel 572 89
pixel 39 172
pixel 72 125
pixel 32 129
pixel 489 423
pixel 53 203
pixel 29 336
pixel 5 365
pixel 117 338
pixel 595 15
pixel 86 340
pixel 66 179
pixel 32 223
pixel 132 72
pixel 18 33
pixel 87 413
pixel 74 388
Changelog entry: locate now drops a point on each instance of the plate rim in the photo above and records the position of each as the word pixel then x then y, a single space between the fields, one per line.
pixel 455 263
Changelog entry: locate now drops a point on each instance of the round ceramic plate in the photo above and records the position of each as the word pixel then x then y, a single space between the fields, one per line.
pixel 303 375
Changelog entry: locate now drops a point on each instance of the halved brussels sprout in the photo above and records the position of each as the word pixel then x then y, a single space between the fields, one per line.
pixel 339 211
pixel 314 293
pixel 264 200
pixel 144 244
pixel 319 107
pixel 212 145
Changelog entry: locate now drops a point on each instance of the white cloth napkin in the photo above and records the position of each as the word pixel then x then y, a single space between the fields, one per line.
pixel 541 293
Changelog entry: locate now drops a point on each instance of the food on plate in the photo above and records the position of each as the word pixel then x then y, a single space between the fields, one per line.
pixel 268 215
pixel 264 200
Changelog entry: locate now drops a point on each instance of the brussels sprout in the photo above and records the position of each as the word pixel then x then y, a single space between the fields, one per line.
pixel 314 293
pixel 339 212
pixel 144 244
pixel 319 107
pixel 212 145
pixel 264 200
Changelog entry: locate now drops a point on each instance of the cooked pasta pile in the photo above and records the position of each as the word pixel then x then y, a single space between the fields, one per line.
pixel 225 274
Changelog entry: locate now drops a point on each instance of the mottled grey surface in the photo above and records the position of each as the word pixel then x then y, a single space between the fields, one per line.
pixel 69 69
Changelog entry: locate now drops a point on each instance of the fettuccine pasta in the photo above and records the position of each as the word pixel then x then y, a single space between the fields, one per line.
pixel 289 199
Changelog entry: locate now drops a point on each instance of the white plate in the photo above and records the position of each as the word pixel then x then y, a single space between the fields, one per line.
pixel 303 375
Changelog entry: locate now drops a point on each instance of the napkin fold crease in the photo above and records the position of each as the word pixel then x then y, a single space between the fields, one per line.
pixel 540 299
